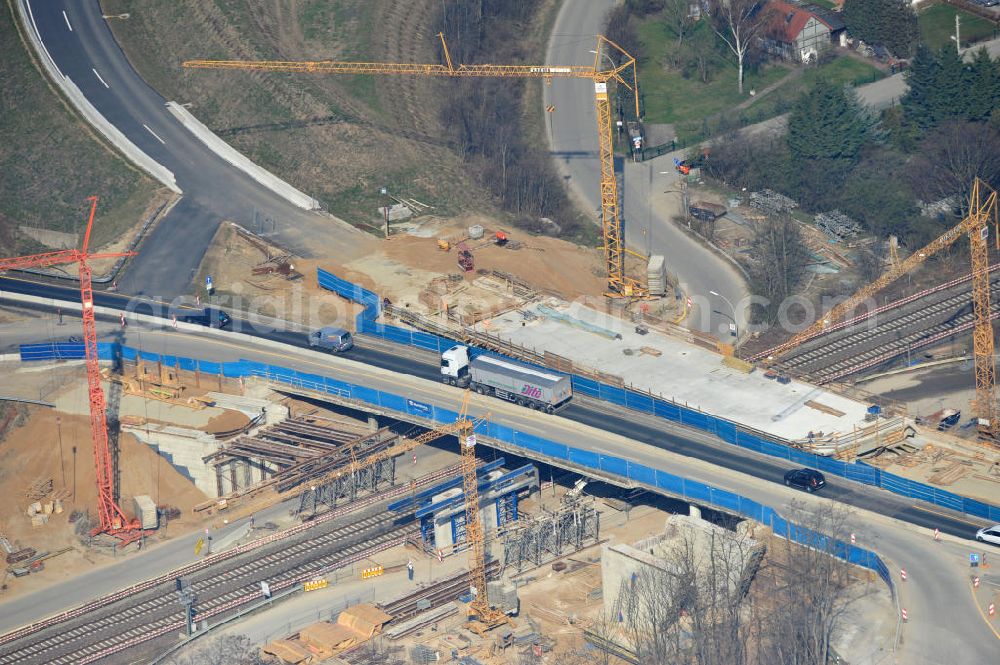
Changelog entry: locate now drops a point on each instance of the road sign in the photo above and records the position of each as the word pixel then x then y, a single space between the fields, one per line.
pixel 902 574
pixel 265 589
pixel 975 582
pixel 854 539
pixel 974 560
pixel 903 612
pixel 198 546
pixel 992 609
pixel 209 285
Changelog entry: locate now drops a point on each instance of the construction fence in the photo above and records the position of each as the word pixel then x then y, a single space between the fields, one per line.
pixel 727 430
pixel 656 479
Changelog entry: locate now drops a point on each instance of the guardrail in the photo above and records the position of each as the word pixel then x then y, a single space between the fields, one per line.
pixel 724 429
pixel 692 490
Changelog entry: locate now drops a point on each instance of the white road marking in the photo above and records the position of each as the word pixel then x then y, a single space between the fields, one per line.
pixel 154 134
pixel 31 15
pixel 99 78
pixel 67 21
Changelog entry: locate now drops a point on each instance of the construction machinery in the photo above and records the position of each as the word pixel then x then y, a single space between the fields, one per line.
pixel 601 73
pixel 485 617
pixel 975 224
pixel 112 519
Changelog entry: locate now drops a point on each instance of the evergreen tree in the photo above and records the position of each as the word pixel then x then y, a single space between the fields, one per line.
pixel 858 16
pixel 983 82
pixel 950 86
pixel 898 29
pixel 920 102
pixel 829 123
pixel 891 23
pixel 827 130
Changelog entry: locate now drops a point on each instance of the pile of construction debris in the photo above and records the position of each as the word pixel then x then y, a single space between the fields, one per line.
pixel 838 225
pixel 43 501
pixel 771 201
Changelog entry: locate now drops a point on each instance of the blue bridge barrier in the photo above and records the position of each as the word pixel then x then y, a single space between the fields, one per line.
pixel 686 488
pixel 727 430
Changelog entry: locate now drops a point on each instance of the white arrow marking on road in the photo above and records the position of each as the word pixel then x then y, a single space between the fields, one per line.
pixel 154 134
pixel 67 21
pixel 99 78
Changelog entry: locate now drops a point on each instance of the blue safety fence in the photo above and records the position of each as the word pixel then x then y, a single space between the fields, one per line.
pixel 726 430
pixel 686 488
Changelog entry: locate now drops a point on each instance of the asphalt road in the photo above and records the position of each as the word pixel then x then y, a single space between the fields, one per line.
pixel 879 518
pixel 647 215
pixel 85 50
pixel 407 362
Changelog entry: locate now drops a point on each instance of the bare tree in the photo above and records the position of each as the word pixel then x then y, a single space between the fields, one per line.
pixel 812 602
pixel 223 650
pixel 738 23
pixel 677 16
pixel 953 155
pixel 691 610
pixel 780 259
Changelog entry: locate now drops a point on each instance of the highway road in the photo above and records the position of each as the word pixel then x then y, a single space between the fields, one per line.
pixel 84 49
pixel 649 229
pixel 936 598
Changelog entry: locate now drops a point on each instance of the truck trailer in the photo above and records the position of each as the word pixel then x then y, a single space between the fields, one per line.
pixel 508 380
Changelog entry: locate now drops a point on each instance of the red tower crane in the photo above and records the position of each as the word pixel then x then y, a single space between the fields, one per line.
pixel 113 520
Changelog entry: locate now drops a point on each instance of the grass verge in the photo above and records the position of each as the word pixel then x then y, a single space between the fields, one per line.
pixel 51 161
pixel 937 26
pixel 671 98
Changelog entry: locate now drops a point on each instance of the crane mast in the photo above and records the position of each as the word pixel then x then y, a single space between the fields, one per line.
pixel 619 284
pixel 112 519
pixel 975 224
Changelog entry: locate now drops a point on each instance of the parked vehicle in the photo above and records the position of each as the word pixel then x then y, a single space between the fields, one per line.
pixel 705 211
pixel 990 534
pixel 508 380
pixel 209 317
pixel 334 340
pixel 809 480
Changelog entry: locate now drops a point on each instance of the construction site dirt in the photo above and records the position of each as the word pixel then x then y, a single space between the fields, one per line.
pixel 412 269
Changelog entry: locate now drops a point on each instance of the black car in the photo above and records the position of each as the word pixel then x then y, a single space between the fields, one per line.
pixel 806 479
pixel 209 316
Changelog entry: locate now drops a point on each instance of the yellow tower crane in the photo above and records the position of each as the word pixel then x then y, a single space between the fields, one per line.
pixel 976 224
pixel 486 617
pixel 619 285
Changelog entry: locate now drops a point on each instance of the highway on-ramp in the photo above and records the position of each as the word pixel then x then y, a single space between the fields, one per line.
pixel 572 128
pixel 935 597
pixel 84 49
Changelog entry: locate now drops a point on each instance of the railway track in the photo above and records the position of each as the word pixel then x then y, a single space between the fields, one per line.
pixel 861 344
pixel 217 559
pixel 155 612
pixel 438 594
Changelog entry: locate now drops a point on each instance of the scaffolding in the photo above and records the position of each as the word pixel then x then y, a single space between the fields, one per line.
pixel 347 486
pixel 532 540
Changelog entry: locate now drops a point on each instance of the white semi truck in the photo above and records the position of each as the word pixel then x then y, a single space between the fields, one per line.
pixel 514 382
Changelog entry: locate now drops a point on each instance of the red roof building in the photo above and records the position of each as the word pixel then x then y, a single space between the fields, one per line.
pixel 793 33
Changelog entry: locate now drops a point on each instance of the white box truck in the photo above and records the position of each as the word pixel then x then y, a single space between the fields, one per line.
pixel 514 382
